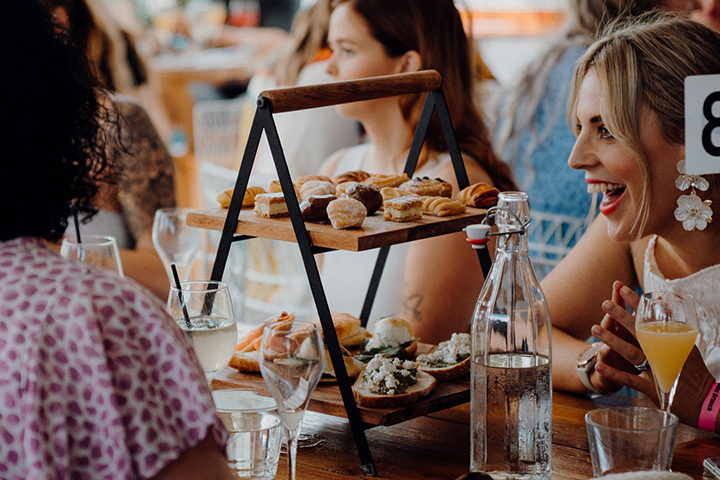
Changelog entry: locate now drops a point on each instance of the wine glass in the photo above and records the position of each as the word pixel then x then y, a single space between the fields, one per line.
pixel 666 327
pixel 100 250
pixel 292 357
pixel 175 242
pixel 205 312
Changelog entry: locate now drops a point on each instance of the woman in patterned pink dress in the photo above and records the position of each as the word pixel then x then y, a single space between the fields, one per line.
pixel 96 381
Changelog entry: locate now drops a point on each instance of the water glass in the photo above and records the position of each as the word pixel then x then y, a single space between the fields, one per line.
pixel 175 241
pixel 253 447
pixel 100 250
pixel 205 312
pixel 625 439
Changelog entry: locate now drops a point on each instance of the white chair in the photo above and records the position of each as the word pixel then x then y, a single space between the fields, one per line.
pixel 265 276
pixel 551 237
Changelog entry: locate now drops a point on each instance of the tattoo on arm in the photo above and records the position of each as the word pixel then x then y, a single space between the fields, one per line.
pixel 412 304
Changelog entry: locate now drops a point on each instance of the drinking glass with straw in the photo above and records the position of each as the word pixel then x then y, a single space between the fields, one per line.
pixel 205 313
pixel 100 250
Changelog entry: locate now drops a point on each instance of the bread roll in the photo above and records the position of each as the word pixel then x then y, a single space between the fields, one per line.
pixel 348 329
pixel 248 199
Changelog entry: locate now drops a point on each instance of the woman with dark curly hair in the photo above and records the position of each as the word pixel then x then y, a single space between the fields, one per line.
pixel 96 379
pixel 140 178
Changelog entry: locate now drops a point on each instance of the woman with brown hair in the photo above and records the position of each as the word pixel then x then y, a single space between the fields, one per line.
pixel 431 283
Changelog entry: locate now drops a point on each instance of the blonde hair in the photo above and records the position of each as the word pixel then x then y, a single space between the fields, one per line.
pixel 642 63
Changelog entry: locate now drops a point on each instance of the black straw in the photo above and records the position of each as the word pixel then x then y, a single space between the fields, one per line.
pixel 180 296
pixel 77 226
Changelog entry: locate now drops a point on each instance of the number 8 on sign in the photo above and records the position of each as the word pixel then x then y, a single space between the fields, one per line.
pixel 702 124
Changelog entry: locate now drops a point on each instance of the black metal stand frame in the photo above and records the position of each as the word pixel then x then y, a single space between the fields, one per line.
pixel 263 121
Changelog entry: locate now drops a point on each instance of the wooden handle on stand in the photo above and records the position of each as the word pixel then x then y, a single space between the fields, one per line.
pixel 335 93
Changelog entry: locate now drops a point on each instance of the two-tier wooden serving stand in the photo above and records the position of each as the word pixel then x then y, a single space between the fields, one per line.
pixel 312 239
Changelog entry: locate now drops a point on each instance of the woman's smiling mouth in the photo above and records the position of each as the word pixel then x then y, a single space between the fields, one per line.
pixel 612 195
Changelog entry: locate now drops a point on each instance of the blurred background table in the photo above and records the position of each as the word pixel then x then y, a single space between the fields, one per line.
pixel 437 446
pixel 176 73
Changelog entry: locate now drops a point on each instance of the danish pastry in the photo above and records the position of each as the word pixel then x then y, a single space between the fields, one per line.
pixel 403 209
pixel 300 181
pixel 248 199
pixel 353 176
pixel 427 187
pixel 346 213
pixel 316 187
pixel 479 195
pixel 381 181
pixel 442 206
pixel 275 187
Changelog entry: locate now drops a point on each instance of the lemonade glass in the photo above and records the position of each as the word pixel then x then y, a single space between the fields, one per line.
pixel 666 327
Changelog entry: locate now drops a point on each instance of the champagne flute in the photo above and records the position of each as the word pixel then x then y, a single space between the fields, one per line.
pixel 175 242
pixel 100 250
pixel 666 326
pixel 205 312
pixel 292 357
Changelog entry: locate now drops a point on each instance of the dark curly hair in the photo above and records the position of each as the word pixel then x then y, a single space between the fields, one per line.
pixel 51 117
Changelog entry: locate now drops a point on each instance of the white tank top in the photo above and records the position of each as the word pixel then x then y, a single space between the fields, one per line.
pixel 704 286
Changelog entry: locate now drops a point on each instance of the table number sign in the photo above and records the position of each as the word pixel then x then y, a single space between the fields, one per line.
pixel 702 124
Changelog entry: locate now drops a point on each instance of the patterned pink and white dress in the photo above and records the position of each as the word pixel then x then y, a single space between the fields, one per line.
pixel 96 380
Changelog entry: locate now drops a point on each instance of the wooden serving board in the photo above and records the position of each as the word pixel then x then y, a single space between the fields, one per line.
pixel 326 398
pixel 374 233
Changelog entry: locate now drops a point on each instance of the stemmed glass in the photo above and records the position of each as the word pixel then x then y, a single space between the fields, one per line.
pixel 666 327
pixel 175 241
pixel 291 362
pixel 100 250
pixel 205 312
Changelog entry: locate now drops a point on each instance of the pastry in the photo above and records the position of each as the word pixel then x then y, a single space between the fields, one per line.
pixel 354 176
pixel 316 187
pixel 342 188
pixel 368 194
pixel 270 205
pixel 300 181
pixel 248 199
pixel 427 187
pixel 346 213
pixel 479 195
pixel 275 187
pixel 403 209
pixel 380 180
pixel 391 192
pixel 442 206
pixel 314 208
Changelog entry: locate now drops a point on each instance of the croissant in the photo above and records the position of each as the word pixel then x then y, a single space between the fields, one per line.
pixel 442 206
pixel 248 200
pixel 479 195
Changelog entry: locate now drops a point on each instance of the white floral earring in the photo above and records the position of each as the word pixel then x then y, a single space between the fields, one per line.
pixel 692 212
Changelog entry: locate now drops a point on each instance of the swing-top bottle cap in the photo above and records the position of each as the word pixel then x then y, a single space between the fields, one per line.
pixel 478 235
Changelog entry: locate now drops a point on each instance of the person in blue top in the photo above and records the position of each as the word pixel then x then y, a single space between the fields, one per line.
pixel 533 137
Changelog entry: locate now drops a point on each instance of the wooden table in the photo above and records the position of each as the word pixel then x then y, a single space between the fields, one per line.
pixel 437 446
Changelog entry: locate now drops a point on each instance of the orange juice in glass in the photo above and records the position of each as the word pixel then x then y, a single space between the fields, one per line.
pixel 666 327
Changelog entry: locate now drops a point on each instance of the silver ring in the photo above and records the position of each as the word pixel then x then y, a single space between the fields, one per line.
pixel 644 366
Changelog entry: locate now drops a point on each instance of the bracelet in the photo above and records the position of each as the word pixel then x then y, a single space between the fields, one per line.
pixel 710 409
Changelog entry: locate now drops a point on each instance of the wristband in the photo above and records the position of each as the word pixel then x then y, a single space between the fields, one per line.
pixel 710 409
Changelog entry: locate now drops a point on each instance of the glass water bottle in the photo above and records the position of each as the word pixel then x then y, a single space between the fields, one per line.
pixel 511 387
